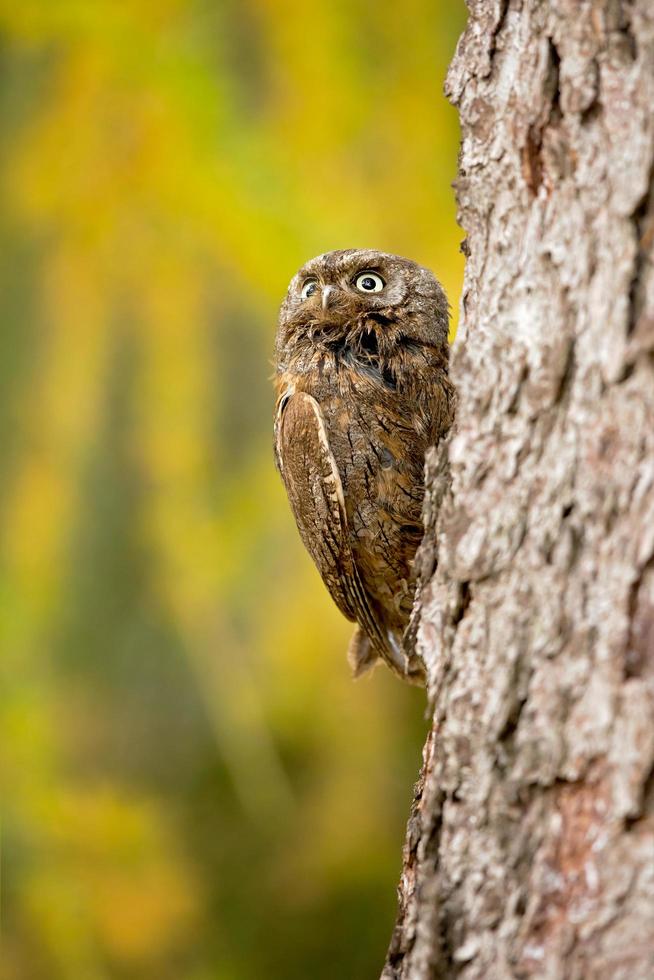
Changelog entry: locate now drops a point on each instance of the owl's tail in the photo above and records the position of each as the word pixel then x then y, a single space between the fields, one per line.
pixel 362 657
pixel 360 653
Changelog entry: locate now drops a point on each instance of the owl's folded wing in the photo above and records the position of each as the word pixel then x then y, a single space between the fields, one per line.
pixel 315 492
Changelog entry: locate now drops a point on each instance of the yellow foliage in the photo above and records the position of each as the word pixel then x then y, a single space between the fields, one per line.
pixel 108 877
pixel 195 786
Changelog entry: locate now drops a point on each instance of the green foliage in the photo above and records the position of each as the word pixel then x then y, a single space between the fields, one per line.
pixel 194 786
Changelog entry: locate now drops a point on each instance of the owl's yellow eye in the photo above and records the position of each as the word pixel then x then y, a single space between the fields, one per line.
pixel 309 288
pixel 369 282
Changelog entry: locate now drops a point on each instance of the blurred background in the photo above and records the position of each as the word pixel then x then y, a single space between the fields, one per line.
pixel 193 785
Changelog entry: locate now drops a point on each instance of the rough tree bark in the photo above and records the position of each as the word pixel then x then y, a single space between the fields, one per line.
pixel 530 849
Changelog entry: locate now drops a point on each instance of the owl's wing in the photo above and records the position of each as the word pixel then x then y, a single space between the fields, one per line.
pixel 315 492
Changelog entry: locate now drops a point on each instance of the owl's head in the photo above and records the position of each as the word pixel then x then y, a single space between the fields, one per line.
pixel 351 292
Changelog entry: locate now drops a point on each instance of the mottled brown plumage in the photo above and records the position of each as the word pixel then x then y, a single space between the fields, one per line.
pixel 363 391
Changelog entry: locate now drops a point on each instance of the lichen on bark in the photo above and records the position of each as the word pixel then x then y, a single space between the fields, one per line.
pixel 530 849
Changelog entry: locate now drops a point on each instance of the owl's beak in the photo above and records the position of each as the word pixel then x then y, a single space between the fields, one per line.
pixel 327 293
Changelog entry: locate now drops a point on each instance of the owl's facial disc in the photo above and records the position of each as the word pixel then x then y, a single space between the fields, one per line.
pixel 333 303
pixel 359 298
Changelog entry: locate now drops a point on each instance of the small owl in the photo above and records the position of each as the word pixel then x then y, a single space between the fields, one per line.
pixel 362 392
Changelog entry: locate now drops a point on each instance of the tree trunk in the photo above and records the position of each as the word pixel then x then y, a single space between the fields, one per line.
pixel 530 850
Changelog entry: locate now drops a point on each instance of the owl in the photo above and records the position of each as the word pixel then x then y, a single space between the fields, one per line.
pixel 361 378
